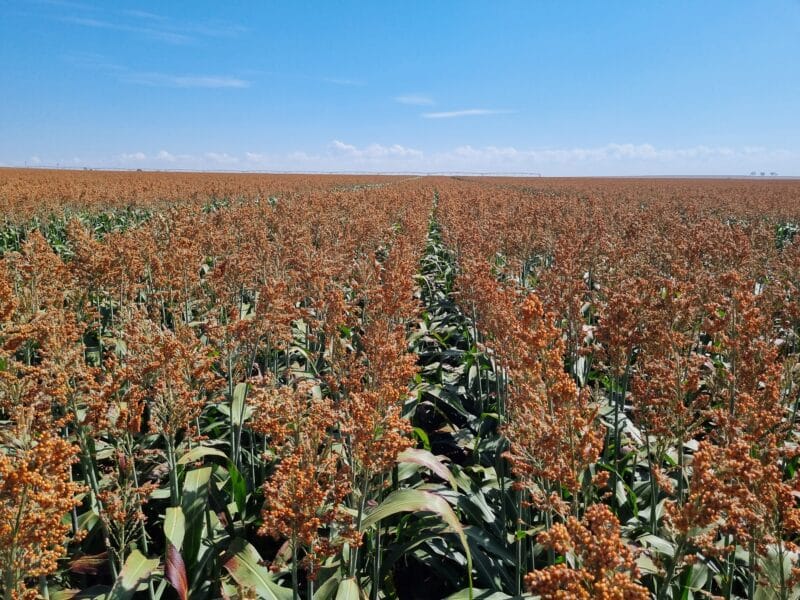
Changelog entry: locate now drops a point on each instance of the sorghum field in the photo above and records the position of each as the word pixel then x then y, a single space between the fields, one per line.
pixel 262 386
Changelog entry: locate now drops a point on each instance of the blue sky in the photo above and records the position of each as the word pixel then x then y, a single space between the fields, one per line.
pixel 557 88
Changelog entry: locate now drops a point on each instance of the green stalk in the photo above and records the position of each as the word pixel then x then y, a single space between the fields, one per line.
pixel 376 564
pixel 89 476
pixel 548 521
pixel 653 489
pixel 9 583
pixel 681 475
pixel 622 384
pixel 667 583
pixel 615 474
pixel 295 582
pixel 361 505
pixel 174 491
pixel 731 564
pixel 751 575
pixel 12 576
pixel 230 395
pixel 74 512
pixel 784 591
pixel 518 497
pixel 239 427
pixel 378 552
pixel 44 589
pixel 142 530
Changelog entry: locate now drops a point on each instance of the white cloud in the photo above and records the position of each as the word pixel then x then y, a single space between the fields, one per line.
pixel 184 81
pixel 166 156
pixel 164 159
pixel 616 159
pixel 338 156
pixel 150 25
pixel 415 99
pixel 133 156
pixel 608 159
pixel 65 4
pixel 302 156
pixel 342 147
pixel 255 157
pixel 375 151
pixel 125 74
pixel 609 152
pixel 142 14
pixel 341 81
pixel 222 158
pixel 163 35
pixel 469 112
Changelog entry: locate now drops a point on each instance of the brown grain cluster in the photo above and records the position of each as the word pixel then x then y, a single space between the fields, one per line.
pixel 643 336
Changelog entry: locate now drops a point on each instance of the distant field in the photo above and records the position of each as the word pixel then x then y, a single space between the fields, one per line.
pixel 335 386
pixel 27 191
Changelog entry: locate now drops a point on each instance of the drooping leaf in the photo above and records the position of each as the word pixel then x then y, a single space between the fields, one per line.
pixel 482 595
pixel 89 564
pixel 175 526
pixel 694 579
pixel 135 571
pixel 238 404
pixel 96 592
pixel 327 589
pixel 427 459
pixel 414 500
pixel 195 505
pixel 175 571
pixel 246 569
pixel 348 590
pixel 199 452
pixel 661 545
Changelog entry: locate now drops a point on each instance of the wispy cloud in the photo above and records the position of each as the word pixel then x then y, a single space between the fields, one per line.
pixel 65 4
pixel 184 81
pixel 342 81
pixel 469 112
pixel 125 74
pixel 143 14
pixel 214 29
pixel 415 99
pixel 164 35
pixel 92 60
pixel 145 23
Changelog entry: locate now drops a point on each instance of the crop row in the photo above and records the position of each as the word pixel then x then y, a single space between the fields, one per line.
pixel 650 340
pixel 184 399
pixel 373 387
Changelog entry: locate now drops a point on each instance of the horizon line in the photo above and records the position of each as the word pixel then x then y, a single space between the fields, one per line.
pixel 519 174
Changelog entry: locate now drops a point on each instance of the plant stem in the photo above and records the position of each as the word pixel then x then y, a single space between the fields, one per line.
pixel 174 492
pixel 667 583
pixel 361 505
pixel 295 583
